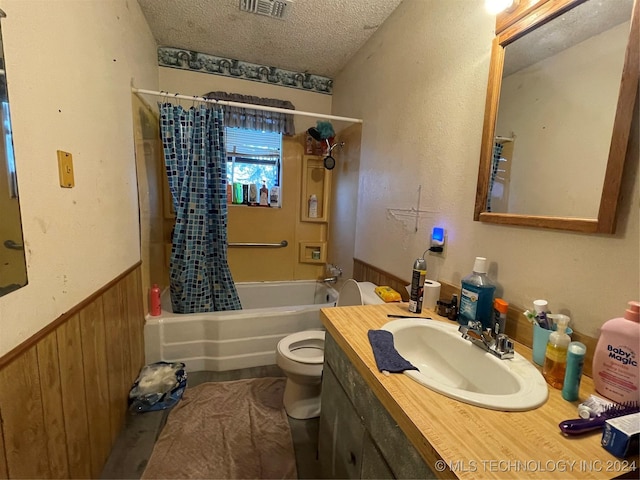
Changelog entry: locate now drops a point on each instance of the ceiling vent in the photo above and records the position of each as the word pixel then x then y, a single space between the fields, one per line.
pixel 270 8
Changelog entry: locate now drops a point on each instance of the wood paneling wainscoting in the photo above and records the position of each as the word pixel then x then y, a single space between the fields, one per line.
pixel 63 392
pixel 364 272
pixel 517 326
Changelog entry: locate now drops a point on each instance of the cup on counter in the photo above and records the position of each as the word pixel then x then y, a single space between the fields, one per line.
pixel 540 340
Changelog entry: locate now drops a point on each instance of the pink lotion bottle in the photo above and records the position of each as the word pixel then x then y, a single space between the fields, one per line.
pixel 616 360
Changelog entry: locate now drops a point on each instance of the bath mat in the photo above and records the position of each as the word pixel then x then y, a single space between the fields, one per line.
pixel 233 429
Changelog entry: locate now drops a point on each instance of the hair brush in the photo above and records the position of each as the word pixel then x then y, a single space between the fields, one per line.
pixel 577 426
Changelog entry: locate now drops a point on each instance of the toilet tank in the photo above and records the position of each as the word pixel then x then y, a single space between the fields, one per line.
pixel 358 293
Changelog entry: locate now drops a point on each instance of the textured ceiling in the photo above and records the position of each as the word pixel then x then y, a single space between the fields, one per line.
pixel 575 26
pixel 317 36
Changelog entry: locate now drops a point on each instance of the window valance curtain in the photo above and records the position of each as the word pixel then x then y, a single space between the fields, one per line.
pixel 256 119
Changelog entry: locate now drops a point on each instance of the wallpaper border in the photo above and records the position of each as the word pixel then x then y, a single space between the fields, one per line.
pixel 228 67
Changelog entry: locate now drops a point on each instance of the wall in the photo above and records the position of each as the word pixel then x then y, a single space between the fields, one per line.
pixel 150 172
pixel 344 200
pixel 70 66
pixel 427 67
pixel 250 224
pixel 272 225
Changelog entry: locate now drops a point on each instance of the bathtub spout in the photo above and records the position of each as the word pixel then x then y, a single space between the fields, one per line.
pixel 334 272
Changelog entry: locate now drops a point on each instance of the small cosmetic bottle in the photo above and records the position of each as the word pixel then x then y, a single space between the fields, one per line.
pixel 593 406
pixel 575 362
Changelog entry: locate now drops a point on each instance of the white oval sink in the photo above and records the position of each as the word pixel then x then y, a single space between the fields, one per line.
pixel 453 366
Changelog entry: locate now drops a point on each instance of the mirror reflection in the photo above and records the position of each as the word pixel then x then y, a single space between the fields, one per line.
pixel 557 105
pixel 13 270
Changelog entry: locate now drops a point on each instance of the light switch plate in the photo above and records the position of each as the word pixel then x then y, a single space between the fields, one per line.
pixel 65 169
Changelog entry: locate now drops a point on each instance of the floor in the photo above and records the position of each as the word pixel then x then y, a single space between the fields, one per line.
pixel 134 445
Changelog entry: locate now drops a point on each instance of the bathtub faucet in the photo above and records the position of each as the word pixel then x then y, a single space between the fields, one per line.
pixel 334 272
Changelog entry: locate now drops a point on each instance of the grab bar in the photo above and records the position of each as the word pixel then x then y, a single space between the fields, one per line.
pixel 11 245
pixel 282 244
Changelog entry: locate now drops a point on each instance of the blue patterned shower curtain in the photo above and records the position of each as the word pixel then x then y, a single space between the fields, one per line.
pixel 194 153
pixel 495 164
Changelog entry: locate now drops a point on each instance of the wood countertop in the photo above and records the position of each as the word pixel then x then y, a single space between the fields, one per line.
pixel 458 440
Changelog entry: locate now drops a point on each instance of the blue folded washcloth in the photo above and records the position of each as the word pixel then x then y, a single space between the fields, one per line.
pixel 387 357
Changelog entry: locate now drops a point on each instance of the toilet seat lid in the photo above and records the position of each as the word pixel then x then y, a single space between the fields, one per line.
pixel 309 345
pixel 358 293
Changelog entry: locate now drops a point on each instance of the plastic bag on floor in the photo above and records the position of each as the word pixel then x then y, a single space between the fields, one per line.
pixel 159 385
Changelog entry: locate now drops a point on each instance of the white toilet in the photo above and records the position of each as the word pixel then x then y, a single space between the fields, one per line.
pixel 301 356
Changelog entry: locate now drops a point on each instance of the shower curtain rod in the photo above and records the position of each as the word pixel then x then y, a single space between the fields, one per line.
pixel 245 105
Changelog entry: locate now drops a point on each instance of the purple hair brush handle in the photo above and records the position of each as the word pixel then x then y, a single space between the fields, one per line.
pixel 581 425
pixel 577 426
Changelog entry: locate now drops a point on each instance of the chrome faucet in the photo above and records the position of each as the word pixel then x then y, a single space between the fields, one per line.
pixel 500 346
pixel 334 272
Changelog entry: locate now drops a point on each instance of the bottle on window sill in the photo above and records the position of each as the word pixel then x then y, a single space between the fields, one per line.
pixel 264 195
pixel 275 196
pixel 253 194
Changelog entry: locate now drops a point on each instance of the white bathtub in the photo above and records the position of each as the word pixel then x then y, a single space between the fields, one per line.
pixel 219 341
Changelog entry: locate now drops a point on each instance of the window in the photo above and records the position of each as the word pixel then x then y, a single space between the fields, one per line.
pixel 253 157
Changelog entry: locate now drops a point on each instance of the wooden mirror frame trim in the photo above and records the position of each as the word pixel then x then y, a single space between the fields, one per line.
pixel 511 26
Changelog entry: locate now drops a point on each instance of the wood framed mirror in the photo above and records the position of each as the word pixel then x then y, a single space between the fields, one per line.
pixel 518 189
pixel 13 267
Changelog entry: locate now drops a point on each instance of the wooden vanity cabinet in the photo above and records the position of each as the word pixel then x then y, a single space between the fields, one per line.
pixel 357 436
